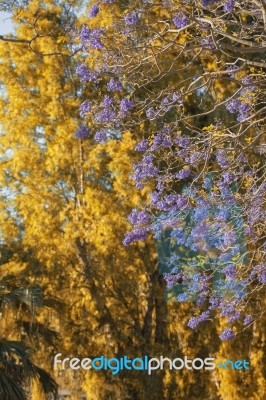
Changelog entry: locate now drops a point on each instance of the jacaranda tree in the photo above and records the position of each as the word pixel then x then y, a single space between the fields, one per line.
pixel 189 78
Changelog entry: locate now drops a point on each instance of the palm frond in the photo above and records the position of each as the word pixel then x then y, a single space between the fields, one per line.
pixel 9 388
pixel 39 331
pixel 49 386
pixel 17 371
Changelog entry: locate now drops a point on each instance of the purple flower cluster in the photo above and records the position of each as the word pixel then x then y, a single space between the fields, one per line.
pixel 195 209
pixel 247 320
pixel 214 303
pixel 227 334
pixel 139 217
pixel 142 146
pixel 114 85
pixel 161 139
pixel 126 105
pixel 170 202
pixel 207 43
pixel 86 74
pixel 100 136
pixel 135 235
pixel 106 114
pixel 229 5
pixel 232 69
pixel 107 101
pixel 82 132
pixel 150 112
pixel 259 273
pixel 180 20
pixel 182 141
pixel 172 279
pixel 230 271
pixel 206 3
pixel 194 321
pixel 144 169
pixel 183 173
pixel 91 37
pixel 222 158
pixel 85 107
pixel 94 11
pixel 234 317
pixel 131 18
pixel 227 308
pixel 240 107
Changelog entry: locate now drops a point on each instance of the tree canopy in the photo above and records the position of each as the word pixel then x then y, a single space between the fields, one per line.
pixel 133 195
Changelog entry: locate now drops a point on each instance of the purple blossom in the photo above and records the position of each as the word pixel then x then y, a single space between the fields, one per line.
pixel 179 236
pixel 172 279
pixel 227 309
pixel 167 142
pixel 114 85
pixel 194 157
pixel 85 107
pixel 227 334
pixel 232 69
pixel 244 107
pixel 262 277
pixel 207 43
pixel 86 75
pixel 182 141
pixel 166 104
pixel 100 136
pixel 229 238
pixel 131 18
pixel 177 98
pixel 234 317
pixel 207 183
pixel 193 322
pixel 94 10
pixel 126 105
pixel 150 112
pixel 222 158
pixel 176 200
pixel 157 141
pixel 107 101
pixel 241 107
pixel 105 116
pixel 229 5
pixel 82 132
pixel 154 197
pixel 91 37
pixel 180 20
pixel 135 235
pixel 144 169
pixel 142 146
pixel 182 297
pixel 233 105
pixel 138 217
pixel 214 303
pixel 242 116
pixel 96 43
pixel 205 315
pixel 228 177
pixel 207 3
pixel 250 87
pixel 230 271
pixel 183 173
pixel 247 320
pixel 85 33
